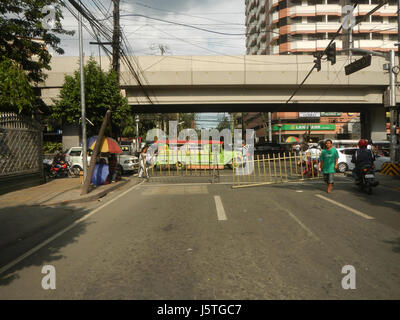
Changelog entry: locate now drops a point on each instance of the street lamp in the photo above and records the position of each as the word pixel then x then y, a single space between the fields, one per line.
pixel 137 132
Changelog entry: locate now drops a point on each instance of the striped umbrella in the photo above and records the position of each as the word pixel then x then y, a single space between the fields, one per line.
pixel 109 145
pixel 292 139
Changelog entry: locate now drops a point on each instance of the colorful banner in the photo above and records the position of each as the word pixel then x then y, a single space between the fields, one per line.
pixel 304 127
pixel 331 114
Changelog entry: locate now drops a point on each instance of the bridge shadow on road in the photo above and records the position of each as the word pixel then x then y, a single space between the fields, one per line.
pixel 23 228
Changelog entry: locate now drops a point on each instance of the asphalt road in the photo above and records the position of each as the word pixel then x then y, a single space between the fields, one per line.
pixel 209 241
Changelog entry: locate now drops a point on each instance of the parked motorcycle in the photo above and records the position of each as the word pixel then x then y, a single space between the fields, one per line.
pixel 367 179
pixel 62 170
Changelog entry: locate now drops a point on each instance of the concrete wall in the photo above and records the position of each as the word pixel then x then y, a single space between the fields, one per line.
pixel 71 136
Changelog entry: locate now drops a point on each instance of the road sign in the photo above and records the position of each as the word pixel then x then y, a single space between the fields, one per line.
pixel 358 65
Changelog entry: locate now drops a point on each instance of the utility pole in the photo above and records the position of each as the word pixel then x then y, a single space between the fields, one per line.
pixel 393 109
pixel 116 39
pixel 269 127
pixel 83 107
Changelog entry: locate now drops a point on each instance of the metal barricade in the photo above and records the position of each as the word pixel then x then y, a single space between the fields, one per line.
pixel 272 169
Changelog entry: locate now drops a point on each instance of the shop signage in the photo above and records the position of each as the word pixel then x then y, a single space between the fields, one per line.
pixel 309 114
pixel 331 114
pixel 304 127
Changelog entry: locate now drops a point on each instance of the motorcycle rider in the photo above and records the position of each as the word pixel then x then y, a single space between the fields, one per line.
pixel 363 157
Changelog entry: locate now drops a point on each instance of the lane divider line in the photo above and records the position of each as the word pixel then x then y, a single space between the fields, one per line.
pixel 55 236
pixel 359 213
pixel 220 208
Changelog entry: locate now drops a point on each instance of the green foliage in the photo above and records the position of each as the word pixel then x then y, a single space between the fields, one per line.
pixel 101 93
pixel 52 147
pixel 23 37
pixel 187 119
pixel 16 95
pixel 224 124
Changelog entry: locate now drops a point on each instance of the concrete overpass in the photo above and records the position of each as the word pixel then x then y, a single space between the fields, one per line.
pixel 241 83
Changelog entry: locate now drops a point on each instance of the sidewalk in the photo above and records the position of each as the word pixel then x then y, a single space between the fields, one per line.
pixel 58 192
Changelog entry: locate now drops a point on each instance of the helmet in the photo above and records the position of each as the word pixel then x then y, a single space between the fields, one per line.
pixel 363 143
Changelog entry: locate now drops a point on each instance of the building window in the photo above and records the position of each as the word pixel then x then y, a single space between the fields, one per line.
pixel 333 19
pixel 392 19
pixel 297 37
pixel 377 36
pixel 392 37
pixel 361 36
pixel 315 19
pixel 295 20
pixel 314 2
pixel 376 19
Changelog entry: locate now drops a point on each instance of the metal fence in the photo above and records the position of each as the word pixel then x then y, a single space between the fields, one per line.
pixel 199 167
pixel 270 169
pixel 20 149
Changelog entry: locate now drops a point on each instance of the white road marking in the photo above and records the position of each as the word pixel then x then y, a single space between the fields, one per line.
pixel 55 236
pixel 359 213
pixel 309 232
pixel 220 208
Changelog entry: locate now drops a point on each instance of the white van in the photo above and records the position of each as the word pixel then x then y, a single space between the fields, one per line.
pixel 346 154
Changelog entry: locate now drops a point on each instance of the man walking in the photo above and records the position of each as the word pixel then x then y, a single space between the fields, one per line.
pixel 142 163
pixel 329 163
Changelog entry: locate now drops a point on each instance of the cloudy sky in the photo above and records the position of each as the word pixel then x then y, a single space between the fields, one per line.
pixel 140 22
pixel 147 34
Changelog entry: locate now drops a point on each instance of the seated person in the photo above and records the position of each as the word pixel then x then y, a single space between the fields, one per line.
pixel 363 157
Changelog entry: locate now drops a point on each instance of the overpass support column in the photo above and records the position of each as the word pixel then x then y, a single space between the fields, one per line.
pixel 373 124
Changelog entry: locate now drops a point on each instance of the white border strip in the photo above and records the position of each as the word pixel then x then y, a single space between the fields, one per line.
pixel 220 208
pixel 359 213
pixel 55 236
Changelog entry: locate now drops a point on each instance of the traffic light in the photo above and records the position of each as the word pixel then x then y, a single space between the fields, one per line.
pixel 318 60
pixel 331 53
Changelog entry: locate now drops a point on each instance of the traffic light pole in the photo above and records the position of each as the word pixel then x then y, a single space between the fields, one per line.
pixel 392 105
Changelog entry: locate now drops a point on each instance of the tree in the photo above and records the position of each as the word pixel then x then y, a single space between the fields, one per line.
pixel 101 93
pixel 25 38
pixel 224 124
pixel 16 94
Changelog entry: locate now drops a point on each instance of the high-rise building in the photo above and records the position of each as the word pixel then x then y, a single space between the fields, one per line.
pixel 276 27
pixel 306 26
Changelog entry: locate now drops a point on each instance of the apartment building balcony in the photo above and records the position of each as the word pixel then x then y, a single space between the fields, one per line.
pixel 331 9
pixel 388 10
pixel 327 26
pixel 261 9
pixel 275 50
pixel 302 11
pixel 375 44
pixel 312 45
pixel 275 2
pixel 376 27
pixel 302 28
pixel 275 17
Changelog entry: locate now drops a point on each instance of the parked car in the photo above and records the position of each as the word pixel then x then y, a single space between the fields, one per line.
pixel 75 158
pixel 127 161
pixel 270 148
pixel 346 154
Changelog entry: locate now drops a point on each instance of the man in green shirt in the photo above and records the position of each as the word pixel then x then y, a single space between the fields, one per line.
pixel 329 163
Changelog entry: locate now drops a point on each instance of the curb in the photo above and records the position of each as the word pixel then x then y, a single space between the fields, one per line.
pixel 93 197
